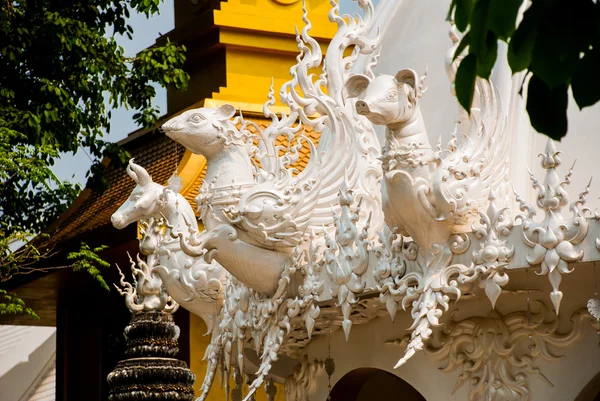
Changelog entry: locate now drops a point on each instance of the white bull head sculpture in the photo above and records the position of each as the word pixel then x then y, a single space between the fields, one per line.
pixel 191 281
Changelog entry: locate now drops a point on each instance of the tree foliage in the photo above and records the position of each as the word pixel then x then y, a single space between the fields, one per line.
pixel 61 73
pixel 557 43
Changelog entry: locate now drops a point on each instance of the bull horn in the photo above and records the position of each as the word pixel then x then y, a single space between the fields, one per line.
pixel 138 173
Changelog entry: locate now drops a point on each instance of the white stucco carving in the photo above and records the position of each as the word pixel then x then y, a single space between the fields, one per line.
pixel 429 194
pixel 497 353
pixel 263 210
pixel 302 382
pixel 347 256
pixel 491 259
pixel 554 238
pixel 363 231
pixel 147 292
pixel 192 282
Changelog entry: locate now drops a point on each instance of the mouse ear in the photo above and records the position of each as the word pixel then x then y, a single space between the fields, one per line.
pixel 225 112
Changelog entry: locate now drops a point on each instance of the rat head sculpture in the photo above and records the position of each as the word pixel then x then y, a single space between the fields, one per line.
pixel 204 131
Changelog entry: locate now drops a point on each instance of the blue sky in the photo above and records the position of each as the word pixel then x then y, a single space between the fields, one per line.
pixel 74 167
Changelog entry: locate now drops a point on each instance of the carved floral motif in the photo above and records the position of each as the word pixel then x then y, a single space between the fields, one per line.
pixel 554 238
pixel 347 257
pixel 290 241
pixel 491 259
pixel 491 353
pixel 147 292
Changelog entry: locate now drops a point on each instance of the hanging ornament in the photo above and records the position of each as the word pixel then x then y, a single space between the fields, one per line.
pixel 329 367
pixel 531 345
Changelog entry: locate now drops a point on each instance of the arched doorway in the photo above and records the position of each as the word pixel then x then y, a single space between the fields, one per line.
pixel 368 384
pixel 591 392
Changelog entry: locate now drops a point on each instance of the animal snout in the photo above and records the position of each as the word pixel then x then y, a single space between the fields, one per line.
pixel 117 220
pixel 170 126
pixel 362 107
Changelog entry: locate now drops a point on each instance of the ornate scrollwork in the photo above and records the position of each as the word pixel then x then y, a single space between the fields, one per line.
pixel 492 258
pixel 390 269
pixel 347 256
pixel 554 238
pixel 147 292
pixel 291 241
pixel 487 350
pixel 162 210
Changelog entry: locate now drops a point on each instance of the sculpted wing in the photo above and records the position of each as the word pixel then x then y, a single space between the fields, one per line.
pixel 476 160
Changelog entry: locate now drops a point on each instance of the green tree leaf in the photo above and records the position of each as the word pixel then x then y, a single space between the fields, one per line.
pixel 464 42
pixel 585 82
pixel 503 17
pixel 59 61
pixel 465 81
pixel 462 14
pixel 522 42
pixel 547 108
pixel 556 43
pixel 479 28
pixel 486 59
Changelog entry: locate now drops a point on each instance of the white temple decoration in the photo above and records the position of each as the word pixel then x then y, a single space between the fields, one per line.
pixel 554 238
pixel 496 352
pixel 191 281
pixel 358 233
pixel 491 260
pixel 271 217
pixel 347 256
pixel 433 195
pixel 593 307
pixel 302 382
pixel 147 292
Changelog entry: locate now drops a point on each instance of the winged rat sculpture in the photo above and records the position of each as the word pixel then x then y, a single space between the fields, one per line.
pixel 256 214
pixel 264 219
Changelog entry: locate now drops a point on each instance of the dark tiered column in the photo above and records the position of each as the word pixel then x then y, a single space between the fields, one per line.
pixel 151 372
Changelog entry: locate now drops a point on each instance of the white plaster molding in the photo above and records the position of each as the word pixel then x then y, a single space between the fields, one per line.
pixel 264 210
pixel 496 353
pixel 191 281
pixel 431 195
pixel 302 382
pixel 301 254
pixel 147 292
pixel 554 238
pixel 491 259
pixel 347 256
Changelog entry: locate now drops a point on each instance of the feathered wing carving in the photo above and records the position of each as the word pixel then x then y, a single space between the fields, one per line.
pixel 263 217
pixel 480 163
pixel 272 206
pixel 476 158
